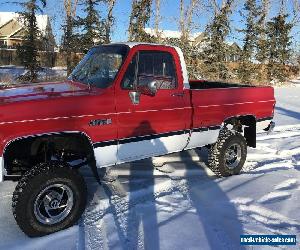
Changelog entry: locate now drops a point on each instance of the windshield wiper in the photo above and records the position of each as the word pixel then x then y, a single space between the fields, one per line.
pixel 89 84
pixel 73 78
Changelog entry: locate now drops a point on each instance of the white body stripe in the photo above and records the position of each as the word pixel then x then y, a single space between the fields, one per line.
pixel 132 151
pixel 200 139
pixel 143 149
pixel 106 156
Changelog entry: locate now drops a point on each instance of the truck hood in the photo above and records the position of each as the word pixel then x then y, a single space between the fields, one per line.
pixel 53 101
pixel 27 92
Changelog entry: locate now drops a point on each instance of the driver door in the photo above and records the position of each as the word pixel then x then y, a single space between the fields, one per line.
pixel 156 124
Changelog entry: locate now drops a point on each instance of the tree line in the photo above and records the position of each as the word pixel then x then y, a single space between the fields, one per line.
pixel 266 49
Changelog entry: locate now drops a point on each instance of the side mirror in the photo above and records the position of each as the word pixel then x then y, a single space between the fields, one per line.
pixel 149 89
pixel 135 97
pixel 153 87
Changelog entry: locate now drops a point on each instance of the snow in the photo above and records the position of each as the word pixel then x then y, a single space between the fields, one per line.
pixel 287 184
pixel 287 106
pixel 42 20
pixel 10 73
pixel 170 33
pixel 7 16
pixel 180 204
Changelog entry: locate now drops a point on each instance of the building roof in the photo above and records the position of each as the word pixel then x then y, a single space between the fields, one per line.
pixel 170 33
pixel 196 38
pixel 42 20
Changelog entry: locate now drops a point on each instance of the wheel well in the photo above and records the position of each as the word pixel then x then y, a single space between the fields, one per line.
pixel 248 122
pixel 22 154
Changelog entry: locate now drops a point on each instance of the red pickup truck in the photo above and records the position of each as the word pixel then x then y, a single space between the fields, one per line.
pixel 122 103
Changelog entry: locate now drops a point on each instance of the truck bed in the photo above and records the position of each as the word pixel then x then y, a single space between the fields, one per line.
pixel 213 106
pixel 204 84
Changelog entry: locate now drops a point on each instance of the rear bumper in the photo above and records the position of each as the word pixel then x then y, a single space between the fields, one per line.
pixel 270 127
pixel 266 125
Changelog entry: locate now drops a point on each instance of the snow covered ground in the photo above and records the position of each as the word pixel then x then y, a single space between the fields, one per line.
pixel 10 73
pixel 288 105
pixel 181 204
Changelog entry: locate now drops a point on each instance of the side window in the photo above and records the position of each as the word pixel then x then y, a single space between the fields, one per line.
pixel 129 77
pixel 152 65
pixel 158 66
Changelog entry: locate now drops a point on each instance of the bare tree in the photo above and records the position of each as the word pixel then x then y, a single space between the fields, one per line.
pixel 265 9
pixel 282 10
pixel 182 21
pixel 109 20
pixel 157 19
pixel 130 28
pixel 296 11
pixel 186 18
pixel 70 7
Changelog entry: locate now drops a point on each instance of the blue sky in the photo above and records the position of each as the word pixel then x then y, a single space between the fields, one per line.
pixel 169 13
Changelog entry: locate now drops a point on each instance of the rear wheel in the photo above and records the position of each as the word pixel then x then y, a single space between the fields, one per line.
pixel 48 198
pixel 228 155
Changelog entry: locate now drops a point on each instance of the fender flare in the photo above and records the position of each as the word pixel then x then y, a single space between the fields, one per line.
pixel 91 162
pixel 249 120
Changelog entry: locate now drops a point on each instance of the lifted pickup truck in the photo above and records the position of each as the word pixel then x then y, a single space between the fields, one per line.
pixel 122 103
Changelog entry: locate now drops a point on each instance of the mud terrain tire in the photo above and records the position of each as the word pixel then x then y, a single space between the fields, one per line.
pixel 222 159
pixel 48 198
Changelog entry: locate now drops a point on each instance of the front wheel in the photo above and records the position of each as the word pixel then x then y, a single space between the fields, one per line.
pixel 48 198
pixel 228 155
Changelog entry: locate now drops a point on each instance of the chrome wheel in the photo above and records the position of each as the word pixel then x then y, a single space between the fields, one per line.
pixel 53 204
pixel 233 156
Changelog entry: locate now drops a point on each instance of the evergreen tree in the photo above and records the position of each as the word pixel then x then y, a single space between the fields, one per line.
pixel 93 29
pixel 279 47
pixel 27 52
pixel 251 12
pixel 68 42
pixel 262 44
pixel 215 51
pixel 140 16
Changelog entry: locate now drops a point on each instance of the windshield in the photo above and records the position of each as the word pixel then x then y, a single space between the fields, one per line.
pixel 100 65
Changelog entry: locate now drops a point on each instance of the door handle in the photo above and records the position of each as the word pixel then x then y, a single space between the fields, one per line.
pixel 177 94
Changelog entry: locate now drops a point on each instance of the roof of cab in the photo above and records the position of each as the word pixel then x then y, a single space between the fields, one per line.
pixel 132 44
pixel 179 51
